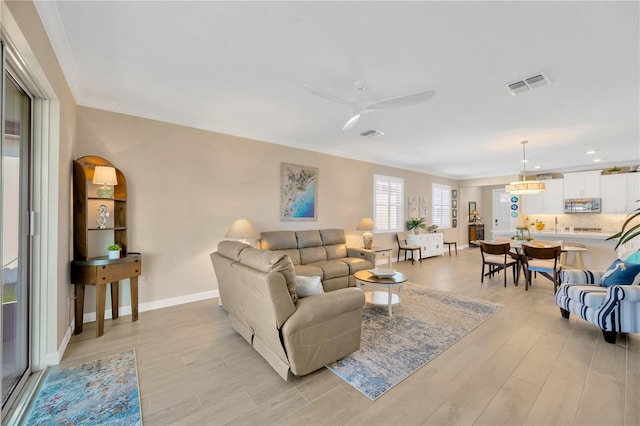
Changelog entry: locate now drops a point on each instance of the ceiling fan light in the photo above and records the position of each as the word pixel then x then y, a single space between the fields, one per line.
pixel 352 122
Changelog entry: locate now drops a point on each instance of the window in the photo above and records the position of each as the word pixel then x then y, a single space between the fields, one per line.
pixel 441 205
pixel 388 193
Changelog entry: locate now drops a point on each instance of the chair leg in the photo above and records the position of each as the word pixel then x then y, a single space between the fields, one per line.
pixel 482 276
pixel 399 250
pixel 455 245
pixel 527 283
pixel 610 336
pixel 565 313
pixel 505 276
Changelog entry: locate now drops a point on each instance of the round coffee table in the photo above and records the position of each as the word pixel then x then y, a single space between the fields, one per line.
pixel 388 297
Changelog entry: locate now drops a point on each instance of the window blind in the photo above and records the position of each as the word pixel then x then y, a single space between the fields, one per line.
pixel 388 193
pixel 441 215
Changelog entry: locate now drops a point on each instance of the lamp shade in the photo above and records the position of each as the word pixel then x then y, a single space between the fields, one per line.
pixel 365 224
pixel 105 175
pixel 241 229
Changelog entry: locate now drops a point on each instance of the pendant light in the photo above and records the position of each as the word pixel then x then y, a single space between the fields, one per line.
pixel 524 186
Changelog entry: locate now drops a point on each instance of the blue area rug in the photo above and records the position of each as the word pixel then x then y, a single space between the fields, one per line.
pixel 391 348
pixel 100 392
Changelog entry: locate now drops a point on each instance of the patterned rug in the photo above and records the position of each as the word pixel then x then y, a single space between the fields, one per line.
pixel 423 325
pixel 99 392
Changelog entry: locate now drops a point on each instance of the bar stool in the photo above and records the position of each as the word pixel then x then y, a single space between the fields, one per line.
pixel 455 246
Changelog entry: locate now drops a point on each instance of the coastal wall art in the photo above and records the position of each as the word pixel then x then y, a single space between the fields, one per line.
pixel 298 192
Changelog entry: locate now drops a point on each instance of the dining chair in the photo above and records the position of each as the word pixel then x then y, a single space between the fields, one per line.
pixel 401 237
pixel 497 257
pixel 545 260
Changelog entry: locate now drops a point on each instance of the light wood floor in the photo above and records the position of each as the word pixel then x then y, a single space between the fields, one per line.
pixel 525 365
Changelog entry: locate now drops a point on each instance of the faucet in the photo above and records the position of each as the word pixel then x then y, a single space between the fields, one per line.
pixel 556 224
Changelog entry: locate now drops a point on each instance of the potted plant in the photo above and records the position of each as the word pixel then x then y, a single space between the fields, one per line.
pixel 415 224
pixel 114 251
pixel 614 170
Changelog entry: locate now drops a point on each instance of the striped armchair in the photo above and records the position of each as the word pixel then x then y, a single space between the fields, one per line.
pixel 615 309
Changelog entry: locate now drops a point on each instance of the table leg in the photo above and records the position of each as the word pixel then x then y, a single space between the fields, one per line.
pixel 115 291
pixel 390 299
pixel 101 296
pixel 79 308
pixel 134 298
pixel 579 260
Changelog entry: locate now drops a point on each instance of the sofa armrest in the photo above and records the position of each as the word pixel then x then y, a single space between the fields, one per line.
pixel 363 254
pixel 581 277
pixel 627 293
pixel 313 310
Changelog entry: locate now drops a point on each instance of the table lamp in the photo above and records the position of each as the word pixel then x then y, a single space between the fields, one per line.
pixel 366 225
pixel 105 176
pixel 241 230
pixel 474 213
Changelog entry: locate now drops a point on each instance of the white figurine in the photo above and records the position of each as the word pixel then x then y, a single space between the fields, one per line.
pixel 104 214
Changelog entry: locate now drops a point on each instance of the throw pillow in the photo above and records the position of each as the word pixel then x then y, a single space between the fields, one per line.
pixel 633 257
pixel 621 273
pixel 308 286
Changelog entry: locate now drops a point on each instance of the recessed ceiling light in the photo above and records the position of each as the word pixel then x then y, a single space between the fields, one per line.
pixel 537 167
pixel 593 151
pixel 524 161
pixel 597 160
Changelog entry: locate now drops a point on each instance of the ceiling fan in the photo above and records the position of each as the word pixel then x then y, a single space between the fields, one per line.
pixel 360 107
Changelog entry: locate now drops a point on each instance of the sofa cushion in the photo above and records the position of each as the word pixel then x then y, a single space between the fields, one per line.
pixel 312 255
pixel 231 249
pixel 308 239
pixel 294 254
pixel 268 261
pixel 308 270
pixel 308 286
pixel 336 251
pixel 333 236
pixel 333 269
pixel 621 273
pixel 278 240
pixel 356 264
pixel 587 295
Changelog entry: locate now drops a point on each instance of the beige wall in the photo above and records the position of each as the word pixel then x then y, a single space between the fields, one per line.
pixel 187 186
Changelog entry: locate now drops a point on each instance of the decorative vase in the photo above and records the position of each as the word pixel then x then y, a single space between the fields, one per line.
pixel 114 254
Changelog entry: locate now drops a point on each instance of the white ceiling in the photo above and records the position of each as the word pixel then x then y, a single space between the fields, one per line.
pixel 238 67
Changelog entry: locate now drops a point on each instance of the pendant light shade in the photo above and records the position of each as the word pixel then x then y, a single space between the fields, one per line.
pixel 524 186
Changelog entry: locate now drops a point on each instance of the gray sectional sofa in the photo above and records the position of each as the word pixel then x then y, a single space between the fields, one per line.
pixel 322 253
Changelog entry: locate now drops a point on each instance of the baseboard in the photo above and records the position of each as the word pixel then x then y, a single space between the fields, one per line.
pixel 53 358
pixel 158 304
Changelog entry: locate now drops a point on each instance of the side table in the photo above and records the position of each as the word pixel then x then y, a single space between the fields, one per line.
pixel 381 253
pixel 99 272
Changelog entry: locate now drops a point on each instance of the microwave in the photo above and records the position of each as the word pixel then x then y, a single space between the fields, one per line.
pixel 582 205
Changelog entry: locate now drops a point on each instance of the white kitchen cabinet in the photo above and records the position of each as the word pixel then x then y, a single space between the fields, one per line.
pixel 549 201
pixel 614 193
pixel 633 191
pixel 582 184
pixel 432 244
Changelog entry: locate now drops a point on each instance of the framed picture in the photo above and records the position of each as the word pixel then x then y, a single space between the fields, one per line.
pixel 298 192
pixel 454 204
pixel 454 194
pixel 472 207
pixel 454 223
pixel 413 207
pixel 454 213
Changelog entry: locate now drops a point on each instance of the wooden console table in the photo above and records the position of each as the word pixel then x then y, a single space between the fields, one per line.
pixel 99 272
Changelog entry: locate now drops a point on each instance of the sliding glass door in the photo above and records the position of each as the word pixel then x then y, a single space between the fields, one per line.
pixel 16 236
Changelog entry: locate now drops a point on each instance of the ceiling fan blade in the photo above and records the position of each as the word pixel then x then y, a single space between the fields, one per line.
pixel 325 95
pixel 401 101
pixel 351 122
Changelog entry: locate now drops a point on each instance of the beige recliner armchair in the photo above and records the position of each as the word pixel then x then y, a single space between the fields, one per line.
pixel 258 290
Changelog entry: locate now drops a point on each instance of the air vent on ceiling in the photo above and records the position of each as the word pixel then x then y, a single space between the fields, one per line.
pixel 525 84
pixel 371 133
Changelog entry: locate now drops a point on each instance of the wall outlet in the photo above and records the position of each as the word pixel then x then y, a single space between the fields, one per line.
pixel 142 281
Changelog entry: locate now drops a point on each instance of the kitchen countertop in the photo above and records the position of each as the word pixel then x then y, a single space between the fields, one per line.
pixel 586 235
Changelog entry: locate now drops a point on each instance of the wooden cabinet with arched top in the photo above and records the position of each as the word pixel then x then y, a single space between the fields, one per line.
pixel 100 220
